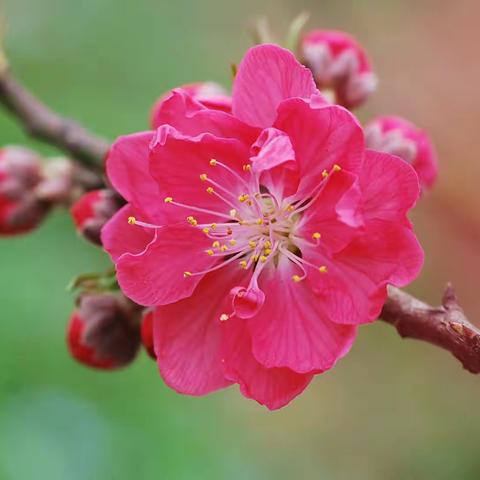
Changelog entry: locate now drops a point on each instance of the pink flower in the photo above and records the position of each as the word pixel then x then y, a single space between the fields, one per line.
pixel 262 237
pixel 399 137
pixel 210 94
pixel 339 65
pixel 91 211
pixel 21 209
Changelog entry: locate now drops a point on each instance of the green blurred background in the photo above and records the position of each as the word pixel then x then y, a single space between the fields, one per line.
pixel 392 409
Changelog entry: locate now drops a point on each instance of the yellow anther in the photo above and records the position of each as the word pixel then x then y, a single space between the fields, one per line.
pixel 132 220
pixel 337 168
pixel 192 221
pixel 232 242
pixel 210 252
pixel 289 208
pixel 249 203
pixel 233 213
pixel 252 244
pixel 213 162
pixel 263 258
pixel 223 248
pixel 213 226
pixel 316 236
pixel 267 251
pixel 187 274
pixel 243 197
pixel 247 168
pixel 267 244
pixel 203 177
pixel 206 230
pixel 323 269
pixel 168 199
pixel 224 317
pixel 243 264
pixel 324 174
pixel 216 244
pixel 259 221
pixel 296 278
pixel 210 190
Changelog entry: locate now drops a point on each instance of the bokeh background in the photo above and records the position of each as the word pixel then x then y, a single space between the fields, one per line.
pixel 392 409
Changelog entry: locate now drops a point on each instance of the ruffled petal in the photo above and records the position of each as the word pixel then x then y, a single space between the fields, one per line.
pixel 267 75
pixel 322 136
pixel 292 330
pixel 188 336
pixel 155 276
pixel 272 387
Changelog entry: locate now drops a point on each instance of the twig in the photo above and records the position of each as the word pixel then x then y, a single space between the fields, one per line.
pixel 446 326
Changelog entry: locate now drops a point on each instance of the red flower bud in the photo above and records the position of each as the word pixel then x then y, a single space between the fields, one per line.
pixel 92 211
pixel 20 208
pixel 104 331
pixel 147 332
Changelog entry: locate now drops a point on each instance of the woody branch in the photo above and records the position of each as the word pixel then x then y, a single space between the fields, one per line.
pixel 445 326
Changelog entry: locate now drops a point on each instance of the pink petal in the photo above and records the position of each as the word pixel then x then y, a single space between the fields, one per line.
pixel 292 330
pixel 127 168
pixel 118 237
pixel 155 275
pixel 193 118
pixel 390 186
pixel 177 161
pixel 321 137
pixel 188 336
pixel 267 75
pixel 272 387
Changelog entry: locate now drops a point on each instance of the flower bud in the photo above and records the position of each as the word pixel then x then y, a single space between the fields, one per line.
pixel 104 331
pixel 20 208
pixel 210 94
pixel 339 65
pixel 399 137
pixel 147 332
pixel 92 211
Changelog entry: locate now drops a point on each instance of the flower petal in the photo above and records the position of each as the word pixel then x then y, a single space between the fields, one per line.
pixel 272 387
pixel 155 276
pixel 322 136
pixel 292 330
pixel 267 75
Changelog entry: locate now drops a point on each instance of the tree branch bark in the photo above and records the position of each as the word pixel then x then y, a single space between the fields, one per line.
pixel 445 326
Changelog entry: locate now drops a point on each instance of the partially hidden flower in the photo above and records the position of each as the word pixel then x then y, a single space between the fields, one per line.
pixel 261 238
pixel 210 94
pixel 398 136
pixel 103 332
pixel 340 66
pixel 92 210
pixel 21 210
pixel 146 331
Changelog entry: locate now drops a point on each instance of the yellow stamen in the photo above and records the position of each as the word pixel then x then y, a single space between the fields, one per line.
pixel 210 190
pixel 254 257
pixel 187 274
pixel 216 244
pixel 243 264
pixel 259 221
pixel 316 236
pixel 263 258
pixel 323 269
pixel 232 242
pixel 223 248
pixel 267 251
pixel 224 317
pixel 252 244
pixel 168 199
pixel 243 197
pixel 213 162
pixel 203 177
pixel 324 174
pixel 210 252
pixel 206 230
pixel 213 226
pixel 132 220
pixel 247 168
pixel 192 221
pixel 337 168
pixel 268 244
pixel 296 278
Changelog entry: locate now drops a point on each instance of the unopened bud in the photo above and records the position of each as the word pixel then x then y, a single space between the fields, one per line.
pixel 147 332
pixel 20 174
pixel 92 211
pixel 399 137
pixel 104 331
pixel 339 65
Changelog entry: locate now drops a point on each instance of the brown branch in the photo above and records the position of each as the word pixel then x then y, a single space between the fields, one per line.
pixel 446 326
pixel 42 123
